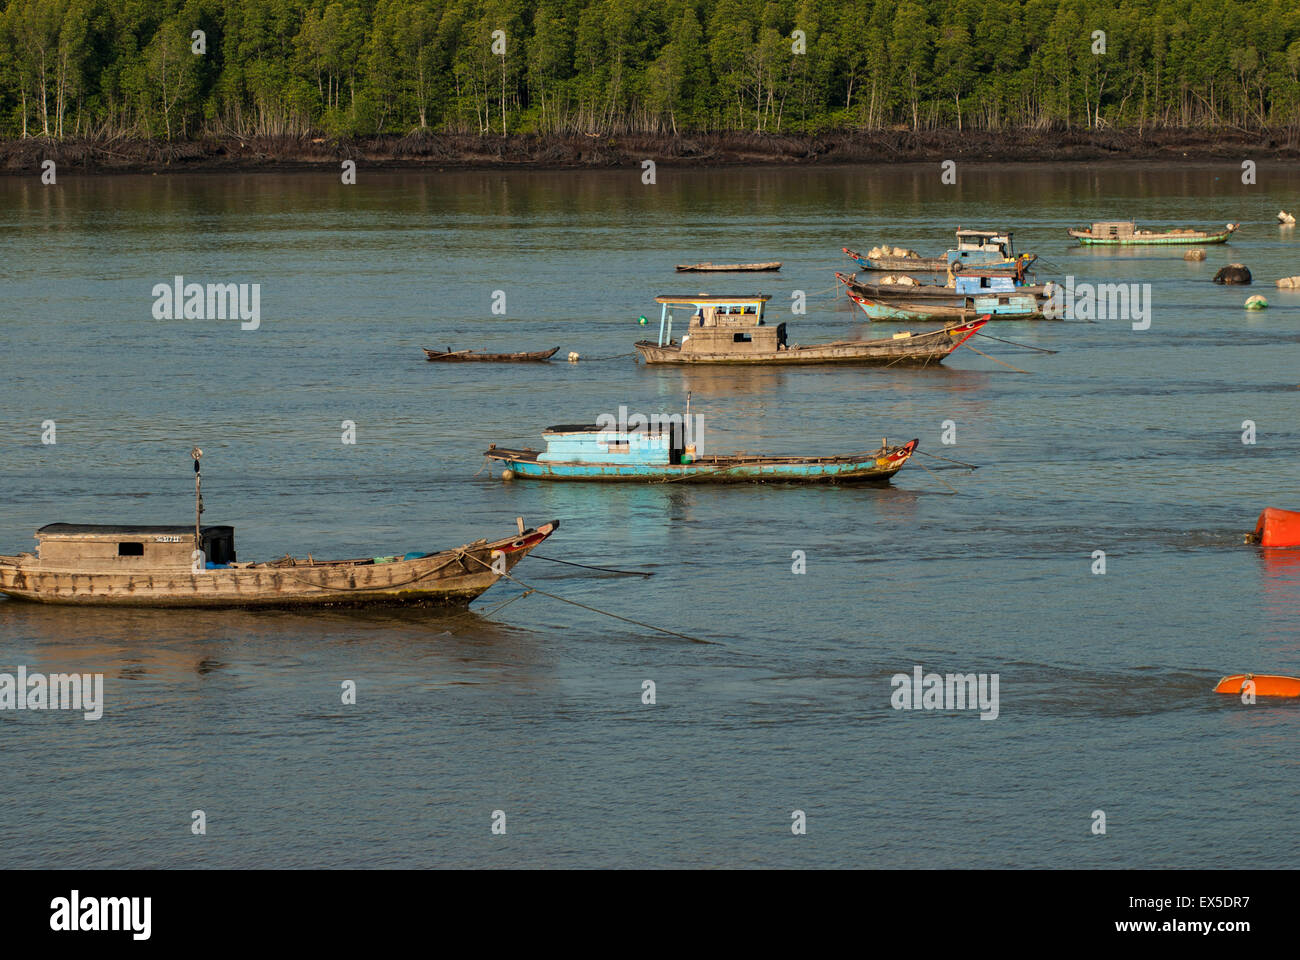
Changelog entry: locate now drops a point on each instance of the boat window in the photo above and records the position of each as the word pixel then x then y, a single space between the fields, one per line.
pixel 130 549
pixel 740 338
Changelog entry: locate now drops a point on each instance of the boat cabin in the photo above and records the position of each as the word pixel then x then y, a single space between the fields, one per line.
pixel 120 549
pixel 661 441
pixel 723 324
pixel 1114 228
pixel 982 246
pixel 983 283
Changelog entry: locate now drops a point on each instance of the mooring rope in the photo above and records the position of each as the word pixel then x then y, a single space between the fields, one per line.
pixel 1014 344
pixel 639 623
pixel 587 566
pixel 969 466
pixel 995 359
pixel 504 603
pixel 937 477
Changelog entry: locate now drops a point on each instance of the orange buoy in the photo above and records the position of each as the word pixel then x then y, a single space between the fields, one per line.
pixel 1266 685
pixel 1277 528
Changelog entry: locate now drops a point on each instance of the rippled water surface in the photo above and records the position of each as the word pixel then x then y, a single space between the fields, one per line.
pixel 1124 441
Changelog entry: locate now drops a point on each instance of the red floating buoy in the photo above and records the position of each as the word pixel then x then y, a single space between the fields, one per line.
pixel 1265 685
pixel 1277 528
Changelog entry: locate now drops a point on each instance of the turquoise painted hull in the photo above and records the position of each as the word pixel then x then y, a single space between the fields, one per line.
pixel 1021 308
pixel 865 470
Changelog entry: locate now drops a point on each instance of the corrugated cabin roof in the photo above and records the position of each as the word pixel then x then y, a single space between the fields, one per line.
pixel 121 530
pixel 597 428
pixel 706 298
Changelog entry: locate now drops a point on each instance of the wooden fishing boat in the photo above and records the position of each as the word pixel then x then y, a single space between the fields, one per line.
pixel 457 356
pixel 983 248
pixel 993 306
pixel 662 451
pixel 729 267
pixel 1265 685
pixel 961 285
pixel 195 566
pixel 727 329
pixel 1116 233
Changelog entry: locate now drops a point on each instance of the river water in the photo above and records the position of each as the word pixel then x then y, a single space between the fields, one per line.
pixel 1124 441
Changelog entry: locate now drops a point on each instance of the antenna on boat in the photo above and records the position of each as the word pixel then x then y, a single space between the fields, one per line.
pixel 197 454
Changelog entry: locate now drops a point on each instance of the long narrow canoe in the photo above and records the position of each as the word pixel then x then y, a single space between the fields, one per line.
pixel 1137 238
pixel 1266 685
pixel 729 267
pixel 460 356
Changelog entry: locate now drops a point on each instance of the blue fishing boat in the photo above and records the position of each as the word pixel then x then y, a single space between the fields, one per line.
pixel 975 248
pixel 662 449
pixel 995 306
pixel 964 284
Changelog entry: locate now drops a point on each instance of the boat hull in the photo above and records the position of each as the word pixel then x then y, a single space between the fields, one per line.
pixel 447 578
pixel 1151 240
pixel 1266 685
pixel 469 356
pixel 1021 307
pixel 767 267
pixel 921 349
pixel 875 468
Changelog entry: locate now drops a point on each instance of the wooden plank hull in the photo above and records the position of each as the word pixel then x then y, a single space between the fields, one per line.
pixel 767 267
pixel 877 467
pixel 931 292
pixel 1019 307
pixel 1150 239
pixel 921 348
pixel 450 577
pixel 971 259
pixel 464 356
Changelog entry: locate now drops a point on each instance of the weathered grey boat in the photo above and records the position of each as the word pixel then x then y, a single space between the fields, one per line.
pixel 157 566
pixel 764 267
pixel 1120 233
pixel 732 330
pixel 195 566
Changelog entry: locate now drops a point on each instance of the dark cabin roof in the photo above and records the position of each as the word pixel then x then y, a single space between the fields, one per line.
pixel 597 428
pixel 114 529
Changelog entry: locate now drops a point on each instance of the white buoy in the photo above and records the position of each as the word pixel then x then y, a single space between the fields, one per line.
pixel 574 356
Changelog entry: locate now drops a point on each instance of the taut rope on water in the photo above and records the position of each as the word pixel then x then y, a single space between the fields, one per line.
pixel 995 359
pixel 588 566
pixel 939 478
pixel 961 463
pixel 639 623
pixel 1014 344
